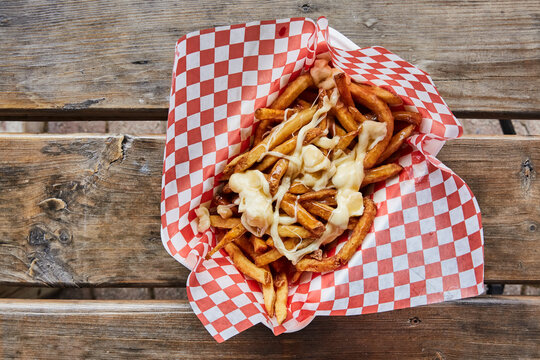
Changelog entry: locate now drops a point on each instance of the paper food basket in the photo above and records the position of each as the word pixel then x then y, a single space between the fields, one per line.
pixel 426 242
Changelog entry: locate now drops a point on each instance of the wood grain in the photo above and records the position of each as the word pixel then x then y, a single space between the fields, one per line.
pixel 84 210
pixel 479 328
pixel 74 55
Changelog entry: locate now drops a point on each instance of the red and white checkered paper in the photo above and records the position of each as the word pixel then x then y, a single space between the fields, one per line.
pixel 426 243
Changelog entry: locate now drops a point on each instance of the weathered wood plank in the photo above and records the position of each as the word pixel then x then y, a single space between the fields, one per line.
pixel 481 328
pixel 84 210
pixel 483 55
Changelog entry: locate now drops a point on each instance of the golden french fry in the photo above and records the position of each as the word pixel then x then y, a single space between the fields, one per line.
pixel 379 107
pixel 273 254
pixel 292 208
pixel 388 97
pixel 247 247
pixel 380 173
pixel 275 138
pixel 229 169
pixel 296 276
pixel 269 294
pixel 286 148
pixel 312 134
pixel 298 188
pixel 338 130
pixel 272 114
pixel 245 266
pixel 395 142
pixel 302 104
pixel 262 129
pixel 346 139
pixel 279 169
pixel 221 223
pixel 341 84
pixel 292 91
pixel 259 245
pixel 282 292
pixel 317 195
pixel 408 116
pixel 319 209
pixel 347 251
pixel 357 115
pixel 232 234
pixel 345 118
pixel 294 231
pixel 270 242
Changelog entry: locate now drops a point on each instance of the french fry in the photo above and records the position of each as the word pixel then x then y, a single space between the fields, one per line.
pixel 345 140
pixel 345 118
pixel 260 131
pixel 259 245
pixel 290 205
pixel 296 276
pixel 245 266
pixel 286 148
pixel 317 195
pixel 218 222
pixel 293 231
pixel 338 130
pixel 302 104
pixel 408 116
pixel 292 91
pixel 312 134
pixel 388 97
pixel 347 251
pixel 229 237
pixel 298 188
pixel 372 102
pixel 324 211
pixel 341 84
pixel 270 242
pixel 282 292
pixel 357 115
pixel 279 169
pixel 269 294
pixel 247 247
pixel 273 254
pixel 274 139
pixel 271 114
pixel 229 169
pixel 380 173
pixel 395 142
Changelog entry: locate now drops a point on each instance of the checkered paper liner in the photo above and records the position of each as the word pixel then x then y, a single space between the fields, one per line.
pixel 426 242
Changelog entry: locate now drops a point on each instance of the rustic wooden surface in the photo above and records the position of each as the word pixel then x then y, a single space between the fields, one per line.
pixel 102 55
pixel 480 328
pixel 84 210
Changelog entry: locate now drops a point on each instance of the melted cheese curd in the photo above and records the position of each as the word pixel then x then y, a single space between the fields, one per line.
pixel 308 164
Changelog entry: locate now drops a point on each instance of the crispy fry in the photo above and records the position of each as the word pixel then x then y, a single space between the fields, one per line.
pixel 312 135
pixel 347 251
pixel 319 209
pixel 275 138
pixel 298 188
pixel 357 115
pixel 293 231
pixel 395 142
pixel 345 140
pixel 292 91
pixel 229 169
pixel 279 169
pixel 372 102
pixel 388 97
pixel 273 254
pixel 296 276
pixel 341 84
pixel 286 148
pixel 408 116
pixel 270 242
pixel 245 244
pixel 338 130
pixel 271 114
pixel 232 234
pixel 245 266
pixel 282 292
pixel 218 222
pixel 269 294
pixel 317 195
pixel 302 104
pixel 259 245
pixel 262 128
pixel 380 173
pixel 290 205
pixel 345 118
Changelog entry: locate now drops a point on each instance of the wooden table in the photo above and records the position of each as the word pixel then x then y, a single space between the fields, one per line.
pixel 83 210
